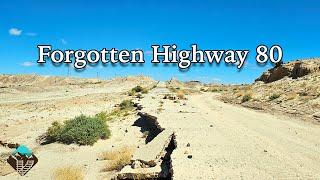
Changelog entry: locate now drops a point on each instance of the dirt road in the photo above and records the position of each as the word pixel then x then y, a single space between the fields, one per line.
pixel 221 141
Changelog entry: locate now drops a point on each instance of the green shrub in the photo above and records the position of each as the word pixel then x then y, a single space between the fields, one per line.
pixel 102 116
pixel 82 130
pixel 246 97
pixel 144 91
pixel 131 93
pixel 274 96
pixel 137 89
pixel 203 89
pixel 54 132
pixel 126 105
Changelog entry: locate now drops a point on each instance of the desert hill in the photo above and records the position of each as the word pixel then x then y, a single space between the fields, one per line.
pixel 292 88
pixel 37 80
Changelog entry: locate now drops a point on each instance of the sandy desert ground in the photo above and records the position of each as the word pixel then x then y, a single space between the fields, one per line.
pixel 212 139
pixel 230 142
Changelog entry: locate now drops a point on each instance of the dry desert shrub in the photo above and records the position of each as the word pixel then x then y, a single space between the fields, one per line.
pixel 126 105
pixel 118 158
pixel 138 89
pixel 291 96
pixel 274 96
pixel 239 94
pixel 180 94
pixel 68 173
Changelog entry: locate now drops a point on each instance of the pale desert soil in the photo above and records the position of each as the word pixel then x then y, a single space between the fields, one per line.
pixel 231 142
pixel 29 104
pixel 214 140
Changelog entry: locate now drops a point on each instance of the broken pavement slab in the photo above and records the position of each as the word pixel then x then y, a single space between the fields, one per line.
pixel 152 152
pixel 148 161
pixel 142 173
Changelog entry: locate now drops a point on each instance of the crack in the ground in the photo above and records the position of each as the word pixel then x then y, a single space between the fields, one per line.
pixel 149 123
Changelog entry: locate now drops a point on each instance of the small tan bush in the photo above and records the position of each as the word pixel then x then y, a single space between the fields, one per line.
pixel 68 173
pixel 291 96
pixel 239 94
pixel 180 95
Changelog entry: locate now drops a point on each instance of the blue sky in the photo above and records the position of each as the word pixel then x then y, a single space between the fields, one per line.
pixel 294 25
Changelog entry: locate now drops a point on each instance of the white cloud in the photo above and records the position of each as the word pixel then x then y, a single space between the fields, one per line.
pixel 27 64
pixel 15 32
pixel 31 34
pixel 63 41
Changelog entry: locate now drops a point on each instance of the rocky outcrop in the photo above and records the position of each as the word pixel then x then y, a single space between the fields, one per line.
pixel 293 69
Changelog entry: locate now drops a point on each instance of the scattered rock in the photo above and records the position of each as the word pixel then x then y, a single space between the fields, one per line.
pixel 316 115
pixel 136 164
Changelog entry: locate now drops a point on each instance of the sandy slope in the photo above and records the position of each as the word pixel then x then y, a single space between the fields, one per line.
pixel 230 142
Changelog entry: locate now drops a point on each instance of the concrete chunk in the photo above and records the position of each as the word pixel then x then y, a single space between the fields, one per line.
pixel 152 152
pixel 141 173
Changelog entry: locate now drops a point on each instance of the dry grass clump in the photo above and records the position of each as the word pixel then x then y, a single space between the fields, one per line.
pixel 239 94
pixel 68 173
pixel 124 109
pixel 181 94
pixel 291 96
pixel 159 110
pixel 117 158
